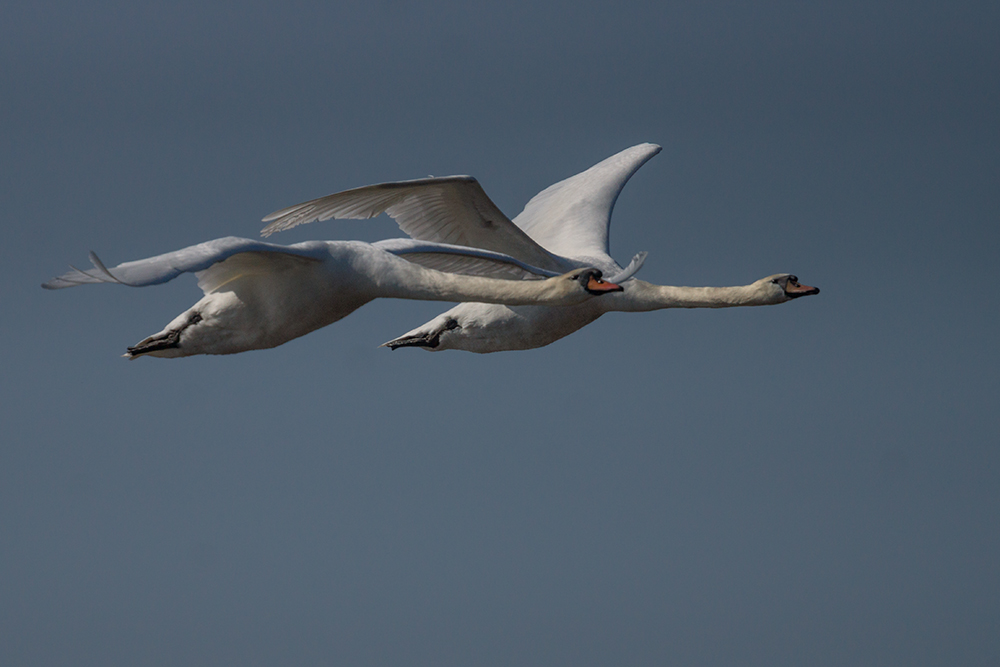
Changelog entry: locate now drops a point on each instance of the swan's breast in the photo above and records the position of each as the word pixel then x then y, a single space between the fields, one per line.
pixel 265 299
pixel 482 328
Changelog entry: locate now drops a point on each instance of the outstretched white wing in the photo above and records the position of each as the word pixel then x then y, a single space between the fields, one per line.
pixel 460 259
pixel 162 268
pixel 208 261
pixel 572 217
pixel 450 209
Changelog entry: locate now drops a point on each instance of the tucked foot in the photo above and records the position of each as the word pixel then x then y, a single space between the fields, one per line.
pixel 430 339
pixel 165 340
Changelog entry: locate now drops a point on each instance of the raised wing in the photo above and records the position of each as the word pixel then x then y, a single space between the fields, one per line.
pixel 572 217
pixel 162 268
pixel 450 209
pixel 463 260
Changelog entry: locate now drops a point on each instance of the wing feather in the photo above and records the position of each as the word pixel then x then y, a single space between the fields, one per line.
pixel 162 268
pixel 572 217
pixel 451 209
pixel 630 270
pixel 463 260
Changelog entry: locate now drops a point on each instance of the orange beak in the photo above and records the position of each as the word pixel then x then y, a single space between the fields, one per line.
pixel 800 290
pixel 598 286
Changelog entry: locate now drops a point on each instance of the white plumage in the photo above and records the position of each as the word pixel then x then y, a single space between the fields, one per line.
pixel 259 295
pixel 563 226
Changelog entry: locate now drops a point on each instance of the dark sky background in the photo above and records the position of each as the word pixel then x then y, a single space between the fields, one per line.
pixel 811 484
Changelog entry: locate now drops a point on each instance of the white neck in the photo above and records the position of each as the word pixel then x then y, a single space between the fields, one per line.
pixel 403 279
pixel 642 296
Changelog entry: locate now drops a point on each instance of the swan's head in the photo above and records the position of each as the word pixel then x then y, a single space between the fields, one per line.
pixel 591 281
pixel 783 287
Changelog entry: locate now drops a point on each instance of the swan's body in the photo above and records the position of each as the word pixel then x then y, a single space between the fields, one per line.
pixel 565 225
pixel 260 295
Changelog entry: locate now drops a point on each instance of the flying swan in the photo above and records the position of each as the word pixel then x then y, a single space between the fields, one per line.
pixel 260 295
pixel 564 226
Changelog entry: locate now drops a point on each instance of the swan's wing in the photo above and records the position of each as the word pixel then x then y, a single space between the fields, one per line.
pixel 250 263
pixel 572 217
pixel 450 209
pixel 463 260
pixel 193 259
pixel 630 270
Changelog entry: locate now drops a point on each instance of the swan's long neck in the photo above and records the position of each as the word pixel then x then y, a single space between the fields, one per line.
pixel 450 287
pixel 410 281
pixel 642 296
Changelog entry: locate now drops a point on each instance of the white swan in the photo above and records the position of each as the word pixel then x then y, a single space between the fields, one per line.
pixel 571 217
pixel 483 327
pixel 260 295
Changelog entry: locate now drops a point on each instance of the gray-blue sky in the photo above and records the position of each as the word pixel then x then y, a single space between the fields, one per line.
pixel 809 484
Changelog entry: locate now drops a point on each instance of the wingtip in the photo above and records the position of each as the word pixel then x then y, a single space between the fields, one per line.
pixel 646 147
pixel 66 280
pixel 631 269
pixel 277 224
